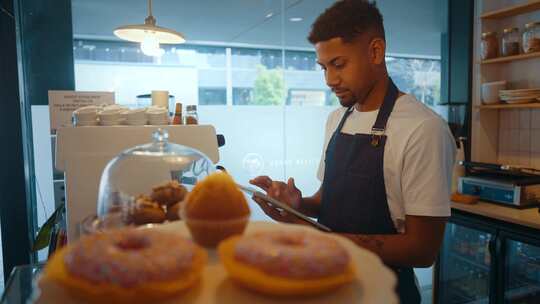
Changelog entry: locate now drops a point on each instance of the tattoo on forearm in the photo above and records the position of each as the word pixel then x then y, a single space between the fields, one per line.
pixel 370 241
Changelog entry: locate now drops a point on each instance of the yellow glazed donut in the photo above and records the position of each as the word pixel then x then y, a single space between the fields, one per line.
pixel 286 263
pixel 127 266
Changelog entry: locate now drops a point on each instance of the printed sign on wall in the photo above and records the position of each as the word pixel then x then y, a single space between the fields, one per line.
pixel 63 103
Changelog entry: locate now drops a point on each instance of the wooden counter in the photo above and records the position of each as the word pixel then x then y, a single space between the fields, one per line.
pixel 525 217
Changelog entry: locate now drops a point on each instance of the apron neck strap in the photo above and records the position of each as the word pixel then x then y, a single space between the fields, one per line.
pixel 344 118
pixel 386 108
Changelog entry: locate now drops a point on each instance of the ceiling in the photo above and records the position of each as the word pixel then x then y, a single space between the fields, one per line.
pixel 412 27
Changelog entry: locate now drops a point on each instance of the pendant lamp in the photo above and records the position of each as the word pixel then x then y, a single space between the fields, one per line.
pixel 149 35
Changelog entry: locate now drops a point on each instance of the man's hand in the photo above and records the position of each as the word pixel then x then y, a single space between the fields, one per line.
pixel 284 192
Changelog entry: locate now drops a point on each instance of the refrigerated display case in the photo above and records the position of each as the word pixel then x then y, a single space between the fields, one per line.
pixel 520 270
pixel 484 260
pixel 466 264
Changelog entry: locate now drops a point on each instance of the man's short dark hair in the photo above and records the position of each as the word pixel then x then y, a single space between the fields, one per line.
pixel 347 19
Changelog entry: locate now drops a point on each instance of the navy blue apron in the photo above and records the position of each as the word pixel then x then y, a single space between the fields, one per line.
pixel 353 192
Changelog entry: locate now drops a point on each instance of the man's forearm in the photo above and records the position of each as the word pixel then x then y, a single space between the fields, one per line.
pixel 393 249
pixel 310 206
pixel 417 247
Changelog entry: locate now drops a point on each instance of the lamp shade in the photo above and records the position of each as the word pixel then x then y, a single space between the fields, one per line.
pixel 138 32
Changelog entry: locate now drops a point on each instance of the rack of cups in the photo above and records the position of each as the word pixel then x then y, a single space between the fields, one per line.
pixel 115 115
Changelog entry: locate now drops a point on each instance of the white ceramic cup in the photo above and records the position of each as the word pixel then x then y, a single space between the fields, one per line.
pixel 110 117
pixel 160 99
pixel 113 107
pixel 87 114
pixel 135 115
pixel 136 122
pixel 85 123
pixel 158 123
pixel 490 91
pixel 157 116
pixel 110 123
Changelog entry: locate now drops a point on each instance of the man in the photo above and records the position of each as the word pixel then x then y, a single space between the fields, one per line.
pixel 387 161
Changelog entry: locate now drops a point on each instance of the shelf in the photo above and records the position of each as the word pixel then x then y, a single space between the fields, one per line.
pixel 511 58
pixel 534 105
pixel 517 293
pixel 528 7
pixel 459 298
pixel 481 301
pixel 469 261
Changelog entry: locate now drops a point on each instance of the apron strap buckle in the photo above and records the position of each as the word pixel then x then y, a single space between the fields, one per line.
pixel 376 134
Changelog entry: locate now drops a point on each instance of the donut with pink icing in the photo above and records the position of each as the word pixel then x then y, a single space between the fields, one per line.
pixel 132 257
pixel 287 263
pixel 127 265
pixel 298 255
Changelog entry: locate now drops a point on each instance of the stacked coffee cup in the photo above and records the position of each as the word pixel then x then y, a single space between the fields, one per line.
pixel 111 115
pixel 135 117
pixel 157 115
pixel 86 116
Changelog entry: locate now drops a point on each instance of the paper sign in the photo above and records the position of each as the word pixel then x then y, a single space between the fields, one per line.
pixel 63 103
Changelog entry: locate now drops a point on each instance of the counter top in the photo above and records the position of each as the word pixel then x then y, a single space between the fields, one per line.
pixel 525 217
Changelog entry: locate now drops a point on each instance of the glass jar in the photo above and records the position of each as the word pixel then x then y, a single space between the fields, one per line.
pixel 489 46
pixel 510 41
pixel 531 37
pixel 147 184
pixel 191 115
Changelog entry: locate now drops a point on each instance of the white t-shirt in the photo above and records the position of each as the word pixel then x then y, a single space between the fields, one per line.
pixel 418 157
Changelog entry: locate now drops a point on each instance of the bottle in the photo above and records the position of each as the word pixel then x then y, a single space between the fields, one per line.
pixel 487 255
pixel 459 170
pixel 177 118
pixel 481 249
pixel 191 115
pixel 483 288
pixel 471 254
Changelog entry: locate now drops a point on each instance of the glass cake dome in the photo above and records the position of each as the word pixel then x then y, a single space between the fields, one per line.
pixel 147 184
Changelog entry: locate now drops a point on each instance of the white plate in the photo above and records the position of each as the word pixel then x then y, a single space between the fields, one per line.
pixel 520 96
pixel 519 91
pixel 519 100
pixel 374 284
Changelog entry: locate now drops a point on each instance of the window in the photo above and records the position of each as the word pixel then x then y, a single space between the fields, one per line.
pixel 212 96
pixel 242 96
pixel 417 76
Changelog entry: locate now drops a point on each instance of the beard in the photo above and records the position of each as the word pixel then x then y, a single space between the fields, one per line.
pixel 347 100
pixel 352 98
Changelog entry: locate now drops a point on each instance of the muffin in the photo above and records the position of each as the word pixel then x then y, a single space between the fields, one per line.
pixel 173 212
pixel 215 209
pixel 169 193
pixel 146 211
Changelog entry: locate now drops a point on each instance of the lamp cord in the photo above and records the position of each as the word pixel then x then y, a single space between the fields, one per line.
pixel 149 7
